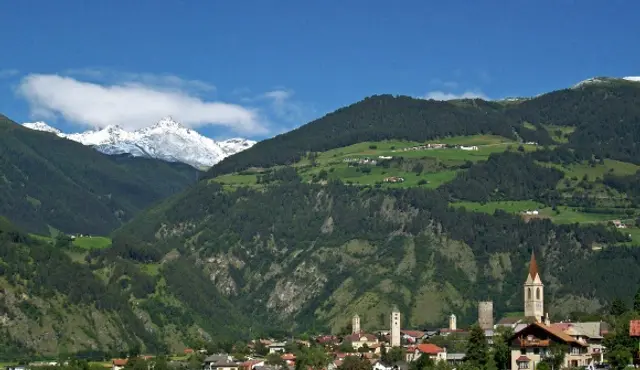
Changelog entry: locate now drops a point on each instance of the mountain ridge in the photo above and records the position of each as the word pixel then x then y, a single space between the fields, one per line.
pixel 167 140
pixel 50 182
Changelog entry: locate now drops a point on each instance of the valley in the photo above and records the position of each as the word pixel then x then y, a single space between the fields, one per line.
pixel 431 206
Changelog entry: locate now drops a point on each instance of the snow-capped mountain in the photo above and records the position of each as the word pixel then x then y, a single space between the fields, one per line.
pixel 167 140
pixel 601 80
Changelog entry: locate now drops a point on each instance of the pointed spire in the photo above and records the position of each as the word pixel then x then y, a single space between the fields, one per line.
pixel 533 266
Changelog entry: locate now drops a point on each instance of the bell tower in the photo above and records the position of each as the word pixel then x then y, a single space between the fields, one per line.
pixel 534 292
pixel 355 324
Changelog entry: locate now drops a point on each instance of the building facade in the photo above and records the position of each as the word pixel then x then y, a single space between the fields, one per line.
pixel 534 292
pixel 355 324
pixel 395 327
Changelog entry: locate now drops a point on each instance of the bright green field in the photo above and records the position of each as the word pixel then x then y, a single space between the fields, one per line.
pixel 95 242
pixel 474 140
pixel 570 215
pixel 150 268
pixel 513 206
pixel 634 232
pixel 597 171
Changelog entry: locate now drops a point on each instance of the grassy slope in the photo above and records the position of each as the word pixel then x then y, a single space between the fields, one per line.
pixel 447 161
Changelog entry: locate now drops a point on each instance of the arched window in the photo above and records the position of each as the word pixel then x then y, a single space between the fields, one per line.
pixel 538 293
pixel 529 293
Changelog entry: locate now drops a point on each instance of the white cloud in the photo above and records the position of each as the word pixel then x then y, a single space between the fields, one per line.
pixel 284 107
pixel 163 80
pixel 441 95
pixel 132 104
pixel 6 73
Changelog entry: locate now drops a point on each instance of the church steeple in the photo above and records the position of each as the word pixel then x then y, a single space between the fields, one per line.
pixel 533 266
pixel 534 292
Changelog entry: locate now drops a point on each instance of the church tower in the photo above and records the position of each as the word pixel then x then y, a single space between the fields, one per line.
pixel 355 324
pixel 395 327
pixel 534 292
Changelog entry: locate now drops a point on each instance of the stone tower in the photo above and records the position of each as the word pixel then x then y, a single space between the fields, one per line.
pixel 395 327
pixel 453 322
pixel 534 292
pixel 355 324
pixel 485 314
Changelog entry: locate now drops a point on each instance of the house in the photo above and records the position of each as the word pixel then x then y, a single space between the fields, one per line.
pixel 290 359
pixel 118 363
pixel 327 340
pixel 188 351
pixel 591 333
pixel 619 224
pixel 393 179
pixel 469 147
pixel 251 364
pixel 16 367
pixel 454 359
pixel 359 340
pixel 220 362
pixel 277 347
pixel 412 336
pixel 532 344
pixel 425 349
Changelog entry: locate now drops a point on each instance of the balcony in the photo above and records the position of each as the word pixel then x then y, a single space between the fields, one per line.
pixel 534 342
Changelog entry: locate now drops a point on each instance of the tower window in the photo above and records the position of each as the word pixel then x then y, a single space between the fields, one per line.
pixel 538 293
pixel 529 293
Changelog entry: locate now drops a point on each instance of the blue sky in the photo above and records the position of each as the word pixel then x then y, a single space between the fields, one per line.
pixel 258 68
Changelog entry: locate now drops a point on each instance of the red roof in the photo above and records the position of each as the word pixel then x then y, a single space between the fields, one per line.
pixel 634 328
pixel 533 266
pixel 119 361
pixel 250 364
pixel 428 348
pixel 523 359
pixel 288 356
pixel 413 333
pixel 187 351
pixel 562 326
pixel 356 337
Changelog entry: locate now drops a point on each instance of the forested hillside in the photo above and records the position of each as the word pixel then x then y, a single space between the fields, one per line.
pixel 606 115
pixel 49 304
pixel 48 182
pixel 430 206
pixel 312 255
pixel 375 208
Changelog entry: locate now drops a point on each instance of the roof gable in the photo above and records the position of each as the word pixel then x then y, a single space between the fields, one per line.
pixel 555 333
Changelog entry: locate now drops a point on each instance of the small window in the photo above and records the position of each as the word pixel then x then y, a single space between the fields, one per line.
pixel 538 293
pixel 529 293
pixel 523 351
pixel 536 351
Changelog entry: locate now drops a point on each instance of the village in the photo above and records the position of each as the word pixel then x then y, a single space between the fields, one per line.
pixel 528 341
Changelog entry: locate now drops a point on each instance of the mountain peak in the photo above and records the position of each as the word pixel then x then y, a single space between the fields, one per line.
pixel 168 121
pixel 167 139
pixel 41 126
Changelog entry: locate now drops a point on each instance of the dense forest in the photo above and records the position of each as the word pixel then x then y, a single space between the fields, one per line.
pixel 285 254
pixel 297 250
pixel 505 176
pixel 42 290
pixel 47 181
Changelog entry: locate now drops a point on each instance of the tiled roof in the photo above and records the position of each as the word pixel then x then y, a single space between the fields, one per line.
pixel 413 333
pixel 429 348
pixel 523 358
pixel 553 331
pixel 119 361
pixel 356 337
